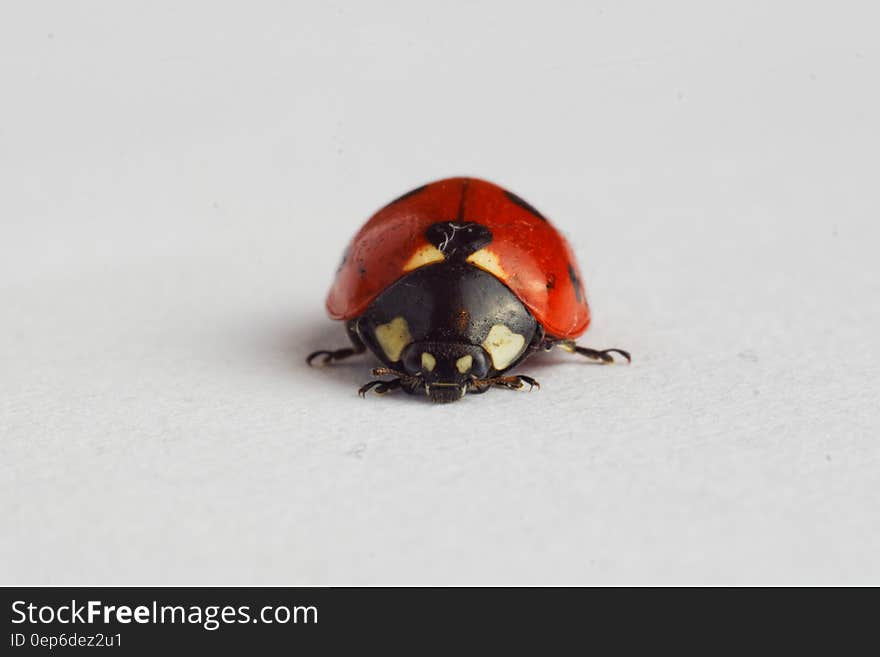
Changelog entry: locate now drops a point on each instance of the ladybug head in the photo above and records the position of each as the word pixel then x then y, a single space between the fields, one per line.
pixel 445 368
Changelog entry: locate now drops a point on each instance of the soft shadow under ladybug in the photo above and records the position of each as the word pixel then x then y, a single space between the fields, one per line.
pixel 454 284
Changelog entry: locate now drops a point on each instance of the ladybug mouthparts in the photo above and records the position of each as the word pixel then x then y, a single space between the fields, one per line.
pixel 444 393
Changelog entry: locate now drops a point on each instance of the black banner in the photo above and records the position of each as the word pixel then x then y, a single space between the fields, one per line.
pixel 134 621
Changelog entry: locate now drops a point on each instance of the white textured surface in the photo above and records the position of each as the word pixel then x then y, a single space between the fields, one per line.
pixel 178 183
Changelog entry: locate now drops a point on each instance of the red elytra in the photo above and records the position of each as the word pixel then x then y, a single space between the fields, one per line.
pixel 531 257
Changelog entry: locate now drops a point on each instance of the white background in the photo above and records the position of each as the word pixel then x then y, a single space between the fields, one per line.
pixel 177 184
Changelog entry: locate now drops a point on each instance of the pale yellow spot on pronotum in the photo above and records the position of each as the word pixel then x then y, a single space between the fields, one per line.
pixel 426 255
pixel 503 346
pixel 428 361
pixel 464 364
pixel 393 337
pixel 488 261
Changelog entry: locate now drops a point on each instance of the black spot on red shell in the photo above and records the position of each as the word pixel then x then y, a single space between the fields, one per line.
pixel 525 205
pixel 576 283
pixel 411 192
pixel 342 263
pixel 551 281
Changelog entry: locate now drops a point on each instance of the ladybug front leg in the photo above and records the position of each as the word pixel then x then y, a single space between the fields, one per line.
pixel 380 387
pixel 513 382
pixel 403 380
pixel 600 356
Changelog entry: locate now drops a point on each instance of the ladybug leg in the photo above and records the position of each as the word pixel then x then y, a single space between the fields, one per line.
pixel 478 386
pixel 327 357
pixel 514 382
pixel 380 387
pixel 385 371
pixel 602 356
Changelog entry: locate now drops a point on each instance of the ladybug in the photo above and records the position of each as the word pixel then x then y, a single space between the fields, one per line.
pixel 454 284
